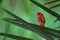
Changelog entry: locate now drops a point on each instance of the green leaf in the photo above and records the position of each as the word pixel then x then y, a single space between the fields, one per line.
pixel 1 1
pixel 14 36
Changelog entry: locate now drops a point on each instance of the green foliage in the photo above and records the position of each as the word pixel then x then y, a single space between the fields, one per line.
pixel 1 1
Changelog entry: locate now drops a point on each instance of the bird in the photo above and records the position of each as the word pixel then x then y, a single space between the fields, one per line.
pixel 41 19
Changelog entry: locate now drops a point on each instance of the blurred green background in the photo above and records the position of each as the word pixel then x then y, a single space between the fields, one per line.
pixel 27 11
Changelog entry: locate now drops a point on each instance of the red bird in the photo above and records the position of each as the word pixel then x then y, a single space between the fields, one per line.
pixel 41 19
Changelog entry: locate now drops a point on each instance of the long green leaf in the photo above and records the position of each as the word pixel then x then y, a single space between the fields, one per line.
pixel 14 36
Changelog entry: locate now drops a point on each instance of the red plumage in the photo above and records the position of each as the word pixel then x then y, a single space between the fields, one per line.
pixel 41 19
